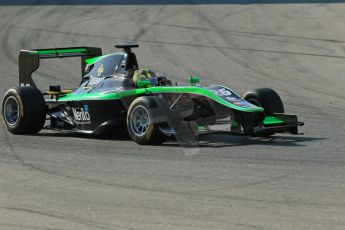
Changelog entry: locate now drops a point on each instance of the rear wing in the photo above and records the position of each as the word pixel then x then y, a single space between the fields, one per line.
pixel 29 60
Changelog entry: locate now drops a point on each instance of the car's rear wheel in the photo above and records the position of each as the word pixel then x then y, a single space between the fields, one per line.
pixel 268 99
pixel 139 125
pixel 24 110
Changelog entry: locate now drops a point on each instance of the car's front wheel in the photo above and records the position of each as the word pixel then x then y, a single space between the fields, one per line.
pixel 139 123
pixel 268 99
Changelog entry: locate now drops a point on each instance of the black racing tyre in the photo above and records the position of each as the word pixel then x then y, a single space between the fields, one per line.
pixel 269 100
pixel 266 98
pixel 139 125
pixel 24 110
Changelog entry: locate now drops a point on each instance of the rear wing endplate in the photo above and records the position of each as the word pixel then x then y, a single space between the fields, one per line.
pixel 29 60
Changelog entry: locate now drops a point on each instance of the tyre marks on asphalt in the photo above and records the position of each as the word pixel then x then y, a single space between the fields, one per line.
pixel 250 34
pixel 186 44
pixel 69 218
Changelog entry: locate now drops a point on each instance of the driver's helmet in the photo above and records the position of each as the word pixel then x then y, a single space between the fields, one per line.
pixel 143 74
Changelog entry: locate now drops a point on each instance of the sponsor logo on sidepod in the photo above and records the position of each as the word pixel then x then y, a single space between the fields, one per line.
pixel 82 115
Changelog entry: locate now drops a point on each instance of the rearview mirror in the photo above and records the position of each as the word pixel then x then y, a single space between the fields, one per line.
pixel 193 80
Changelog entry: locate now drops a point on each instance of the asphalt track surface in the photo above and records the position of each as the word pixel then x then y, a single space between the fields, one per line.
pixel 66 181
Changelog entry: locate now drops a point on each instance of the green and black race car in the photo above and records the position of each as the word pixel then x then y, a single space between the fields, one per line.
pixel 151 109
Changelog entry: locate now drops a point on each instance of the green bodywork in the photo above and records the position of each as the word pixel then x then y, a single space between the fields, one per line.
pixel 58 51
pixel 272 120
pixel 155 90
pixel 91 61
pixel 280 119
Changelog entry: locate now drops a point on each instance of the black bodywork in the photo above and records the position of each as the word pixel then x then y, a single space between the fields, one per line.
pixel 177 112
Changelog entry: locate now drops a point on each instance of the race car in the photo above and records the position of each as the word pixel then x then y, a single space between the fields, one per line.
pixel 116 94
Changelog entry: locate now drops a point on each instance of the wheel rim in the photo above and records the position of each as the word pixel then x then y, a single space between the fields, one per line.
pixel 140 121
pixel 11 111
